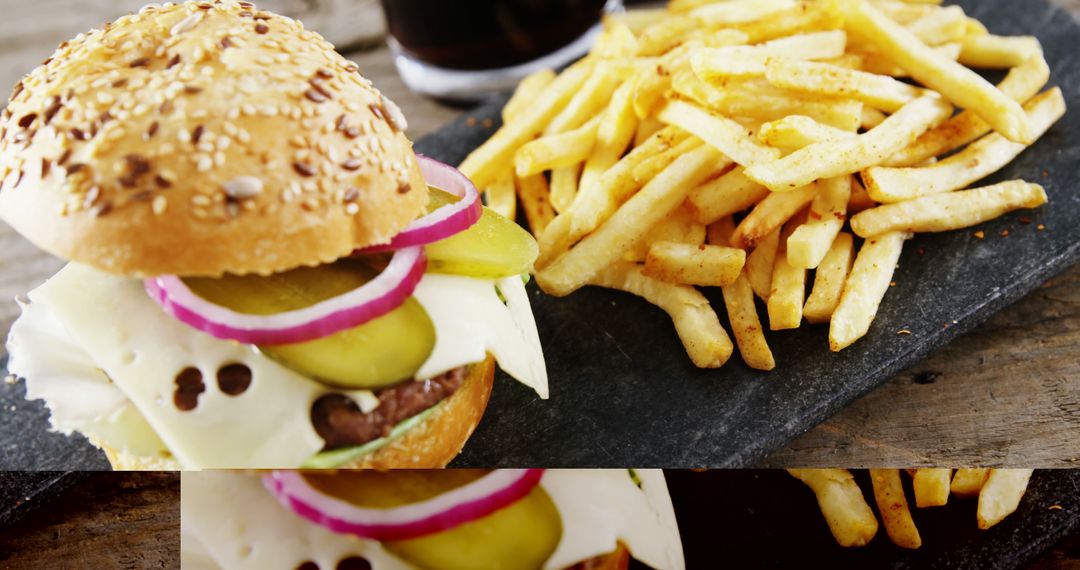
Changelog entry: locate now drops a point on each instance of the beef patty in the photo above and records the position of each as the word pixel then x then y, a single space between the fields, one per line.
pixel 341 423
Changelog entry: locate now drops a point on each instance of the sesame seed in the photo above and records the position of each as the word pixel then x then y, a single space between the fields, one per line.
pixel 91 197
pixel 102 209
pixel 303 169
pixel 197 133
pixel 204 163
pixel 352 164
pixel 139 62
pixel 201 200
pixel 46 165
pixel 150 132
pixel 27 120
pixel 316 96
pixel 261 28
pixel 351 195
pixel 159 205
pixel 352 209
pixel 173 61
pixel 243 187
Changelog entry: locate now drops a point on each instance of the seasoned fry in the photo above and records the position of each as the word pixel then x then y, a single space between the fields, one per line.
pixel 798 19
pixel 723 196
pixel 1022 83
pixel 771 213
pixel 878 91
pixel 871 118
pixel 951 211
pixel 500 195
pixel 829 280
pixel 653 165
pixel 998 52
pixel 810 242
pixel 639 19
pixel 980 159
pixel 621 231
pixel 850 519
pixel 528 90
pixel 678 226
pixel 726 135
pixel 745 325
pixel 705 340
pixel 564 186
pixel 719 232
pixel 738 11
pixel 968 482
pixel 703 265
pixel 958 84
pixel 786 294
pixel 750 60
pixel 865 287
pixel 536 201
pixel 931 487
pixel 797 131
pixel 484 163
pixel 617 126
pixel 588 101
pixel 824 160
pixel 664 35
pixel 760 263
pixel 1001 494
pixel 940 26
pixel 860 199
pixel 553 151
pixel 893 506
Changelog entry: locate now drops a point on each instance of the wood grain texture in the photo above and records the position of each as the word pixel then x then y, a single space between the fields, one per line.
pixel 115 520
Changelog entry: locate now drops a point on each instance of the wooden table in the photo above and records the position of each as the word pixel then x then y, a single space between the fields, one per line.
pixel 119 520
pixel 1004 394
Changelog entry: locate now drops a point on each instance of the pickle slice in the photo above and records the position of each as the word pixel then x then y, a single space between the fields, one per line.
pixel 380 352
pixel 493 247
pixel 521 536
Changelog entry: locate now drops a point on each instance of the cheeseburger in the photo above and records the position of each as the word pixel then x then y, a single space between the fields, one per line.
pixel 262 272
pixel 512 519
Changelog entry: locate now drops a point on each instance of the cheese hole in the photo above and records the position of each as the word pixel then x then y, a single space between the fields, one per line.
pixel 245 551
pixel 189 384
pixel 234 379
pixel 354 563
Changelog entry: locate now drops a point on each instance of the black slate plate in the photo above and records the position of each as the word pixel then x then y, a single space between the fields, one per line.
pixel 623 390
pixel 24 491
pixel 767 519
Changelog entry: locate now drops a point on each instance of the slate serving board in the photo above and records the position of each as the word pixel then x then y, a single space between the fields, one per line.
pixel 623 390
pixel 767 519
pixel 24 491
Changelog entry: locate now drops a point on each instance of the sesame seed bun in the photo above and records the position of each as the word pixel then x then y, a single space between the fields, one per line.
pixel 431 444
pixel 204 138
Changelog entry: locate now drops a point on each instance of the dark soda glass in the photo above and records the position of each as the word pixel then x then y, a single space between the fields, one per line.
pixel 487 34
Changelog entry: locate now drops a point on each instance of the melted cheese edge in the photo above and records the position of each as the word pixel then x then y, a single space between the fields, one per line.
pixel 252 530
pixel 69 343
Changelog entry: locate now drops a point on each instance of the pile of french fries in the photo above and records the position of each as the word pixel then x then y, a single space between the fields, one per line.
pixel 730 144
pixel 853 523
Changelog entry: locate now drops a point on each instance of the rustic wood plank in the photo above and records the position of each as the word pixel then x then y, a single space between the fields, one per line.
pixel 107 520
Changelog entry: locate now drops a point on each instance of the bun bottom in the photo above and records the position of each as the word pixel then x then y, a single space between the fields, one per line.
pixel 430 445
pixel 619 559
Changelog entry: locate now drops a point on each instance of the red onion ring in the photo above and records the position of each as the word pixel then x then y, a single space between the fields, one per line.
pixel 373 299
pixel 472 501
pixel 446 221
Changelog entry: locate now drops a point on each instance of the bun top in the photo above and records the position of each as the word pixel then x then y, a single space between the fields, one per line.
pixel 204 138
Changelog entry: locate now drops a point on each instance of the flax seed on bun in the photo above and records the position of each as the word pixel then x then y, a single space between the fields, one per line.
pixel 204 138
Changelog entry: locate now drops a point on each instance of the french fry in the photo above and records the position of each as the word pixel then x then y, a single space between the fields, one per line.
pixel 893 506
pixel 664 35
pixel 617 126
pixel 829 280
pixel 980 159
pixel 1022 83
pixel 760 263
pixel 860 199
pixel 802 18
pixel 797 131
pixel 558 150
pixel 594 95
pixel 948 24
pixel 1001 494
pixel 653 165
pixel 905 12
pixel 771 213
pixel 616 40
pixel 528 90
pixel 865 287
pixel 646 128
pixel 536 202
pixel 824 160
pixel 484 163
pixel 968 482
pixel 703 265
pixel 639 19
pixel 678 227
pixel 501 196
pixel 998 52
pixel 745 325
pixel 870 118
pixel 810 242
pixel 849 517
pixel 564 186
pixel 786 294
pixel 622 230
pixel 718 14
pixel 725 195
pixel 705 340
pixel 950 211
pixel 726 135
pixel 750 60
pixel 931 487
pixel 719 232
pixel 878 91
pixel 759 100
pixel 962 86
